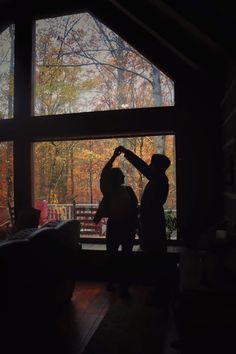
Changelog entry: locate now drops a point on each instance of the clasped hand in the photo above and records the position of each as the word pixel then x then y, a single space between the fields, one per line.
pixel 119 150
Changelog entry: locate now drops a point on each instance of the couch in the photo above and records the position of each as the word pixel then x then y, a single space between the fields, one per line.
pixel 37 266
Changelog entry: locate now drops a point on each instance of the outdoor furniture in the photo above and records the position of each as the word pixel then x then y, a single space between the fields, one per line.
pixel 42 205
pixel 85 215
pixel 46 214
pixel 5 219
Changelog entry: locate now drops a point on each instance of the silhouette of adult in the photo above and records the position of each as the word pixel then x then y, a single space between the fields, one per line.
pixel 119 204
pixel 152 218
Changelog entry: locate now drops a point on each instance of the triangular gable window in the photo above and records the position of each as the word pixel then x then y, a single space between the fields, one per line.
pixel 83 66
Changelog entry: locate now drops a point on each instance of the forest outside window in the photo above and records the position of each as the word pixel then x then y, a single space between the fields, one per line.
pixel 67 173
pixel 7 37
pixel 6 176
pixel 83 66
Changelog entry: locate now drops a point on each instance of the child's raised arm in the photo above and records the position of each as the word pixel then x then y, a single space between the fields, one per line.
pixel 105 175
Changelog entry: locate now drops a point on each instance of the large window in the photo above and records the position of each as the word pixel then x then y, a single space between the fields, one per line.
pixel 6 72
pixel 79 65
pixel 66 174
pixel 82 66
pixel 6 176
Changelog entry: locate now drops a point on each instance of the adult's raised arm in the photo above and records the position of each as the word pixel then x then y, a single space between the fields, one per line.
pixel 136 161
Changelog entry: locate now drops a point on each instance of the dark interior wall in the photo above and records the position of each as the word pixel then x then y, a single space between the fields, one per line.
pixel 228 112
pixel 198 163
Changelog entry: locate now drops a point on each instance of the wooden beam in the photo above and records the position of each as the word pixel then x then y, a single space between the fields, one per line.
pixel 103 124
pixel 22 113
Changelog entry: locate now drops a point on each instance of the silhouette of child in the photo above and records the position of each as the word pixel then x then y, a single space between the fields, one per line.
pixel 119 204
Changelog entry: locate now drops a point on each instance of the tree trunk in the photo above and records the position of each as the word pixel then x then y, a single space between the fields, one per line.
pixel 157 98
pixel 72 180
pixel 121 97
pixel 91 176
pixel 156 84
pixel 42 158
pixel 161 144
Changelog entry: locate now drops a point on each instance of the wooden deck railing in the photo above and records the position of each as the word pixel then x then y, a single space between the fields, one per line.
pixel 82 212
pixel 85 213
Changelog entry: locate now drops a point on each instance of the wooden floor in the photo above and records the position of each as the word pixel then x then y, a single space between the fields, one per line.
pixel 136 248
pixel 102 247
pixel 69 330
pixel 92 302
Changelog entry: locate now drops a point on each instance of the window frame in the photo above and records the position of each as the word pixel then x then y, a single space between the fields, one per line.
pixel 102 240
pixel 24 129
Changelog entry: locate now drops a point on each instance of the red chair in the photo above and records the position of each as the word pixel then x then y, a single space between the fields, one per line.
pixel 42 205
pixel 53 215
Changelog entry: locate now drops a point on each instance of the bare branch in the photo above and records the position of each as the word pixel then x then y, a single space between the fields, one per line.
pixel 98 63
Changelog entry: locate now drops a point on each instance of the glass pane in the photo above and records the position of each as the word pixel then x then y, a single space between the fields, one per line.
pixel 6 72
pixel 68 172
pixel 6 176
pixel 82 66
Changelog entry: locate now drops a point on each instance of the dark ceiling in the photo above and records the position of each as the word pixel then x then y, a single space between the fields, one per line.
pixel 199 34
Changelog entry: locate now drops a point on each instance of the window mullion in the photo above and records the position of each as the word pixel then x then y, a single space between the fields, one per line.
pixel 23 70
pixel 22 113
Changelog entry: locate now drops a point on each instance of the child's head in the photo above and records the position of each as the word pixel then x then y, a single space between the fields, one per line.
pixel 117 177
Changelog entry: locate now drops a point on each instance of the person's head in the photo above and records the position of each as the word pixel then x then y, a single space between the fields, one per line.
pixel 117 177
pixel 160 162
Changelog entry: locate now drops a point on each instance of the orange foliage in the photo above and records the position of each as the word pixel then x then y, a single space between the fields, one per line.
pixel 6 177
pixel 70 170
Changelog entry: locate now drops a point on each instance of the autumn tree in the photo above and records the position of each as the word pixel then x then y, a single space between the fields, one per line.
pixel 107 72
pixel 6 110
pixel 81 65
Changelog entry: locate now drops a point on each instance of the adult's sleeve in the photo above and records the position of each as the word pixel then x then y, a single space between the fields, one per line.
pixel 138 163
